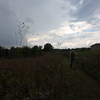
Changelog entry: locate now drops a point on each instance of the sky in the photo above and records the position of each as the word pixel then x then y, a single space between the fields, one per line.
pixel 63 23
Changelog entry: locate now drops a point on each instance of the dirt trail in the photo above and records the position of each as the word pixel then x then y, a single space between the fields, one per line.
pixel 81 85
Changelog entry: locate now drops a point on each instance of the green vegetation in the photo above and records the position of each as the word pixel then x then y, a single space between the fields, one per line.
pixel 46 75
pixel 24 51
pixel 48 47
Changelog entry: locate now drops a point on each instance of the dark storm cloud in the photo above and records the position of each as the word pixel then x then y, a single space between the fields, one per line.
pixel 7 24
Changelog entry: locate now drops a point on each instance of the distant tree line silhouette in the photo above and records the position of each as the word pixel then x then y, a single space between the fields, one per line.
pixel 24 51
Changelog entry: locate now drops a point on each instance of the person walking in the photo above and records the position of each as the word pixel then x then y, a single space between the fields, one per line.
pixel 72 58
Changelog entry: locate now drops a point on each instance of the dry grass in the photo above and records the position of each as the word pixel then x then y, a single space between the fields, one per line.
pixel 46 77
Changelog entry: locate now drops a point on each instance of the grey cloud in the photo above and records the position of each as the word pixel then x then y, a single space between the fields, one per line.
pixel 88 10
pixel 83 10
pixel 46 14
pixel 29 20
pixel 41 16
pixel 7 24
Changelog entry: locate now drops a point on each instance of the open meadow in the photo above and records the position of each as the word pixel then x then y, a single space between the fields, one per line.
pixel 49 77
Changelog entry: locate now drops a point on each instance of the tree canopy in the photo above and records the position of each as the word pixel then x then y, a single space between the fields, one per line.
pixel 48 47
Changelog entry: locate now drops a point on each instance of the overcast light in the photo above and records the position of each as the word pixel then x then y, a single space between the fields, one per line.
pixel 64 23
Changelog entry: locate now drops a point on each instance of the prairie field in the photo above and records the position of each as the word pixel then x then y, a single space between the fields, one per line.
pixel 49 77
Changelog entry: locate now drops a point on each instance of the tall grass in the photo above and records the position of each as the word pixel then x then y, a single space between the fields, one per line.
pixel 47 77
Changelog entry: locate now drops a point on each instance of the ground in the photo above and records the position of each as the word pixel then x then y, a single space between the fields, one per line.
pixel 45 77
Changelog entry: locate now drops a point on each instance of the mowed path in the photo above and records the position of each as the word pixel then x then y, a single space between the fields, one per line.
pixel 81 86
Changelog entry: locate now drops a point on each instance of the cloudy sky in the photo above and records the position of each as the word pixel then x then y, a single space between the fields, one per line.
pixel 63 23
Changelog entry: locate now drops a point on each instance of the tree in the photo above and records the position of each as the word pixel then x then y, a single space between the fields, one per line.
pixel 1 51
pixel 26 51
pixel 36 50
pixel 48 47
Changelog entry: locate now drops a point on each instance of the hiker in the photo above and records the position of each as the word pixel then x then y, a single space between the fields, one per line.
pixel 72 58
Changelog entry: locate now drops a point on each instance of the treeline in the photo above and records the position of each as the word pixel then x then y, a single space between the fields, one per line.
pixel 24 51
